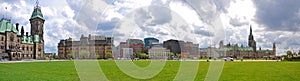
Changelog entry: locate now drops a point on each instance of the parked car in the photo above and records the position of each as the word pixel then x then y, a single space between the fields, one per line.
pixel 228 59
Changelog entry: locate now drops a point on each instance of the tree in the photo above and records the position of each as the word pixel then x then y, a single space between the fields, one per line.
pixel 97 56
pixel 54 56
pixel 299 52
pixel 84 54
pixel 71 55
pixel 289 53
pixel 143 55
pixel 171 55
pixel 108 55
pixel 178 55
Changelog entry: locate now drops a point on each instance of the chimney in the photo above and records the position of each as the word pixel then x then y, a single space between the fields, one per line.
pixel 22 31
pixel 17 26
pixel 26 33
pixel 90 36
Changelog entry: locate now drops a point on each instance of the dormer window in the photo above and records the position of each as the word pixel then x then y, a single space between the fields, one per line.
pixel 11 38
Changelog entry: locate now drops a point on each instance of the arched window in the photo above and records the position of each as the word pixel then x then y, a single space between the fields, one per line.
pixel 11 37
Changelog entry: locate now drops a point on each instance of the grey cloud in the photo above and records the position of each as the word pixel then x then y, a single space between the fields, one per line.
pixel 222 5
pixel 204 33
pixel 236 22
pixel 162 33
pixel 160 14
pixel 141 16
pixel 108 25
pixel 156 15
pixel 278 14
pixel 87 15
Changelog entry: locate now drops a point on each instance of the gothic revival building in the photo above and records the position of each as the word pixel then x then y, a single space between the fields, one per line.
pixel 15 44
pixel 249 51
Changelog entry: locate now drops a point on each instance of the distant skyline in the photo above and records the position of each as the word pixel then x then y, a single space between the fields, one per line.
pixel 205 22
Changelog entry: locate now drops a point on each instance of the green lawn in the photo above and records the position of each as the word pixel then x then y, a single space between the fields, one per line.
pixel 65 71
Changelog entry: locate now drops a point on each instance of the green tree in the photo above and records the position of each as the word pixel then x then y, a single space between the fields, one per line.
pixel 84 54
pixel 97 56
pixel 143 55
pixel 171 55
pixel 71 55
pixel 54 56
pixel 289 53
pixel 299 52
pixel 108 55
pixel 178 55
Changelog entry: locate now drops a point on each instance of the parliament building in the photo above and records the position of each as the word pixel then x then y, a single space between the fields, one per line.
pixel 236 51
pixel 15 44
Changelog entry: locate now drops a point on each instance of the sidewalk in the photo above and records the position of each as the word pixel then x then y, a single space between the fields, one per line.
pixel 30 60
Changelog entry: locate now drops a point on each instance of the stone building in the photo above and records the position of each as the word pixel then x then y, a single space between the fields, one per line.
pixel 185 49
pixel 159 52
pixel 189 50
pixel 173 46
pixel 236 51
pixel 16 45
pixel 90 47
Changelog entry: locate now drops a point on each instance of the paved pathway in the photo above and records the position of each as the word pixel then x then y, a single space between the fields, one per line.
pixel 31 60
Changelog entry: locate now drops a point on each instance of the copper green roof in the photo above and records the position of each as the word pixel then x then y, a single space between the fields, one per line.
pixel 266 51
pixel 239 48
pixel 27 40
pixel 36 38
pixel 6 25
pixel 37 13
pixel 226 49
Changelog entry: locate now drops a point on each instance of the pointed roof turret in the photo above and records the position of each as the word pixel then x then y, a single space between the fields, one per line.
pixel 250 30
pixel 37 12
pixel 22 31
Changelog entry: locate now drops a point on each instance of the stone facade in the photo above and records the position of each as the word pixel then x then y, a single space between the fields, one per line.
pixel 173 46
pixel 159 52
pixel 236 51
pixel 90 47
pixel 16 45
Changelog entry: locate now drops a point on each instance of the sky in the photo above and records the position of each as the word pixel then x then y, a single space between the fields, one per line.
pixel 205 22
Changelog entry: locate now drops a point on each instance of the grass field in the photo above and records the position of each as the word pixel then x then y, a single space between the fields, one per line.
pixel 232 71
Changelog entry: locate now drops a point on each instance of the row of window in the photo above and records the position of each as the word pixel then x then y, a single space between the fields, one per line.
pixel 84 48
pixel 11 39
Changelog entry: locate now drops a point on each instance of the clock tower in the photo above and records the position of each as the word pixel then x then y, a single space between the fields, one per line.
pixel 37 22
pixel 37 32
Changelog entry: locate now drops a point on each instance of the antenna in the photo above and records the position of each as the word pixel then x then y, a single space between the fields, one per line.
pixel 37 3
pixel 5 12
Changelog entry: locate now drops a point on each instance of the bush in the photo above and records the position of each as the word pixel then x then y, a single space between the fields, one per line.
pixel 292 59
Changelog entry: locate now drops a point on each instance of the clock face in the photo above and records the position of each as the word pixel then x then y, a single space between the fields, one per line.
pixel 36 22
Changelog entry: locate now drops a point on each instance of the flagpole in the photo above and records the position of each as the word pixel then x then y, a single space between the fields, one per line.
pixel 5 12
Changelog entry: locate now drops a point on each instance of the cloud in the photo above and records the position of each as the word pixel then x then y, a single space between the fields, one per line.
pixel 278 15
pixel 237 22
pixel 108 25
pixel 201 21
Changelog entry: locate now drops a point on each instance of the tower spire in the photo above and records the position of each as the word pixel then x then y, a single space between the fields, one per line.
pixel 250 30
pixel 37 3
pixel 5 12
